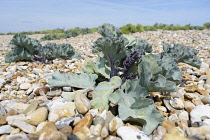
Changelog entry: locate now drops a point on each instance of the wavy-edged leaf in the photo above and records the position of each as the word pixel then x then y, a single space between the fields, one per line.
pixel 23 48
pixel 18 54
pixel 53 50
pixel 182 54
pixel 131 88
pixel 98 67
pixel 21 40
pixel 161 84
pixel 112 48
pixel 140 110
pixel 147 68
pixel 131 41
pixel 83 80
pixel 108 30
pixel 114 97
pixel 102 91
pixel 170 69
pixel 150 76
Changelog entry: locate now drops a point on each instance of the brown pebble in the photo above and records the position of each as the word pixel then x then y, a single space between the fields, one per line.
pixel 43 89
pixel 85 122
pixel 10 113
pixel 168 125
pixel 66 130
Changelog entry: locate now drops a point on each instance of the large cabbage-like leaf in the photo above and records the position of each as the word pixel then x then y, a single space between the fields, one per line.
pixel 112 48
pixel 143 45
pixel 83 80
pixel 18 54
pixel 170 69
pixel 98 67
pixel 139 44
pixel 150 76
pixel 52 50
pixel 182 54
pixel 139 110
pixel 131 88
pixel 108 30
pixel 23 48
pixel 161 84
pixel 102 91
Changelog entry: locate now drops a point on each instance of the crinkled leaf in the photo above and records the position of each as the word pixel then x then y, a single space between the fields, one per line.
pixel 116 96
pixel 23 48
pixel 98 67
pixel 112 48
pixel 150 76
pixel 147 68
pixel 170 69
pixel 138 44
pixel 108 30
pixel 161 84
pixel 83 80
pixel 182 54
pixel 131 41
pixel 102 91
pixel 143 45
pixel 21 40
pixel 140 110
pixel 133 88
pixel 52 50
pixel 18 54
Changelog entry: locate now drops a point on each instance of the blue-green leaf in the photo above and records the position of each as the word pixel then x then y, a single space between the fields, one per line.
pixel 102 91
pixel 83 80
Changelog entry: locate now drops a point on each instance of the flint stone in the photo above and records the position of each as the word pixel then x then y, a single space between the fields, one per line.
pixel 198 112
pixel 25 86
pixel 63 123
pixel 11 119
pixel 6 129
pixel 84 123
pixel 26 127
pixel 206 122
pixel 33 106
pixel 129 133
pixel 82 102
pixel 52 135
pixel 177 103
pixel 37 116
pixel 206 99
pixel 19 136
pixel 45 126
pixel 115 124
pixel 59 110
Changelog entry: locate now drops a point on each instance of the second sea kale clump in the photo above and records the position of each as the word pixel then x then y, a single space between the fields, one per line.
pixel 25 48
pixel 126 71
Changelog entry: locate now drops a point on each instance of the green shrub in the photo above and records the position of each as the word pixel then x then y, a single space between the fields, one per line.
pixel 206 25
pixel 139 28
pixel 129 28
pixel 149 28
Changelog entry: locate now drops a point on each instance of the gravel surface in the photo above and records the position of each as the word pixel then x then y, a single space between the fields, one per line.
pixel 29 109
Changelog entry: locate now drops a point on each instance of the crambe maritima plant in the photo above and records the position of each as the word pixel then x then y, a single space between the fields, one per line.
pixel 125 72
pixel 25 48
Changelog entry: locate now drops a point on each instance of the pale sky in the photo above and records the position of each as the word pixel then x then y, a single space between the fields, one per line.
pixel 35 15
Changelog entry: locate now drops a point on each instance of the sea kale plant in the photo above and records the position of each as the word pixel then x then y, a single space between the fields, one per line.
pixel 125 72
pixel 25 48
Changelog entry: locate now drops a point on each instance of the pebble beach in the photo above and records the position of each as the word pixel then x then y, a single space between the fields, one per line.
pixel 30 110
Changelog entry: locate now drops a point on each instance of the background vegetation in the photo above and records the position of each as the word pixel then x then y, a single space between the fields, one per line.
pixel 126 29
